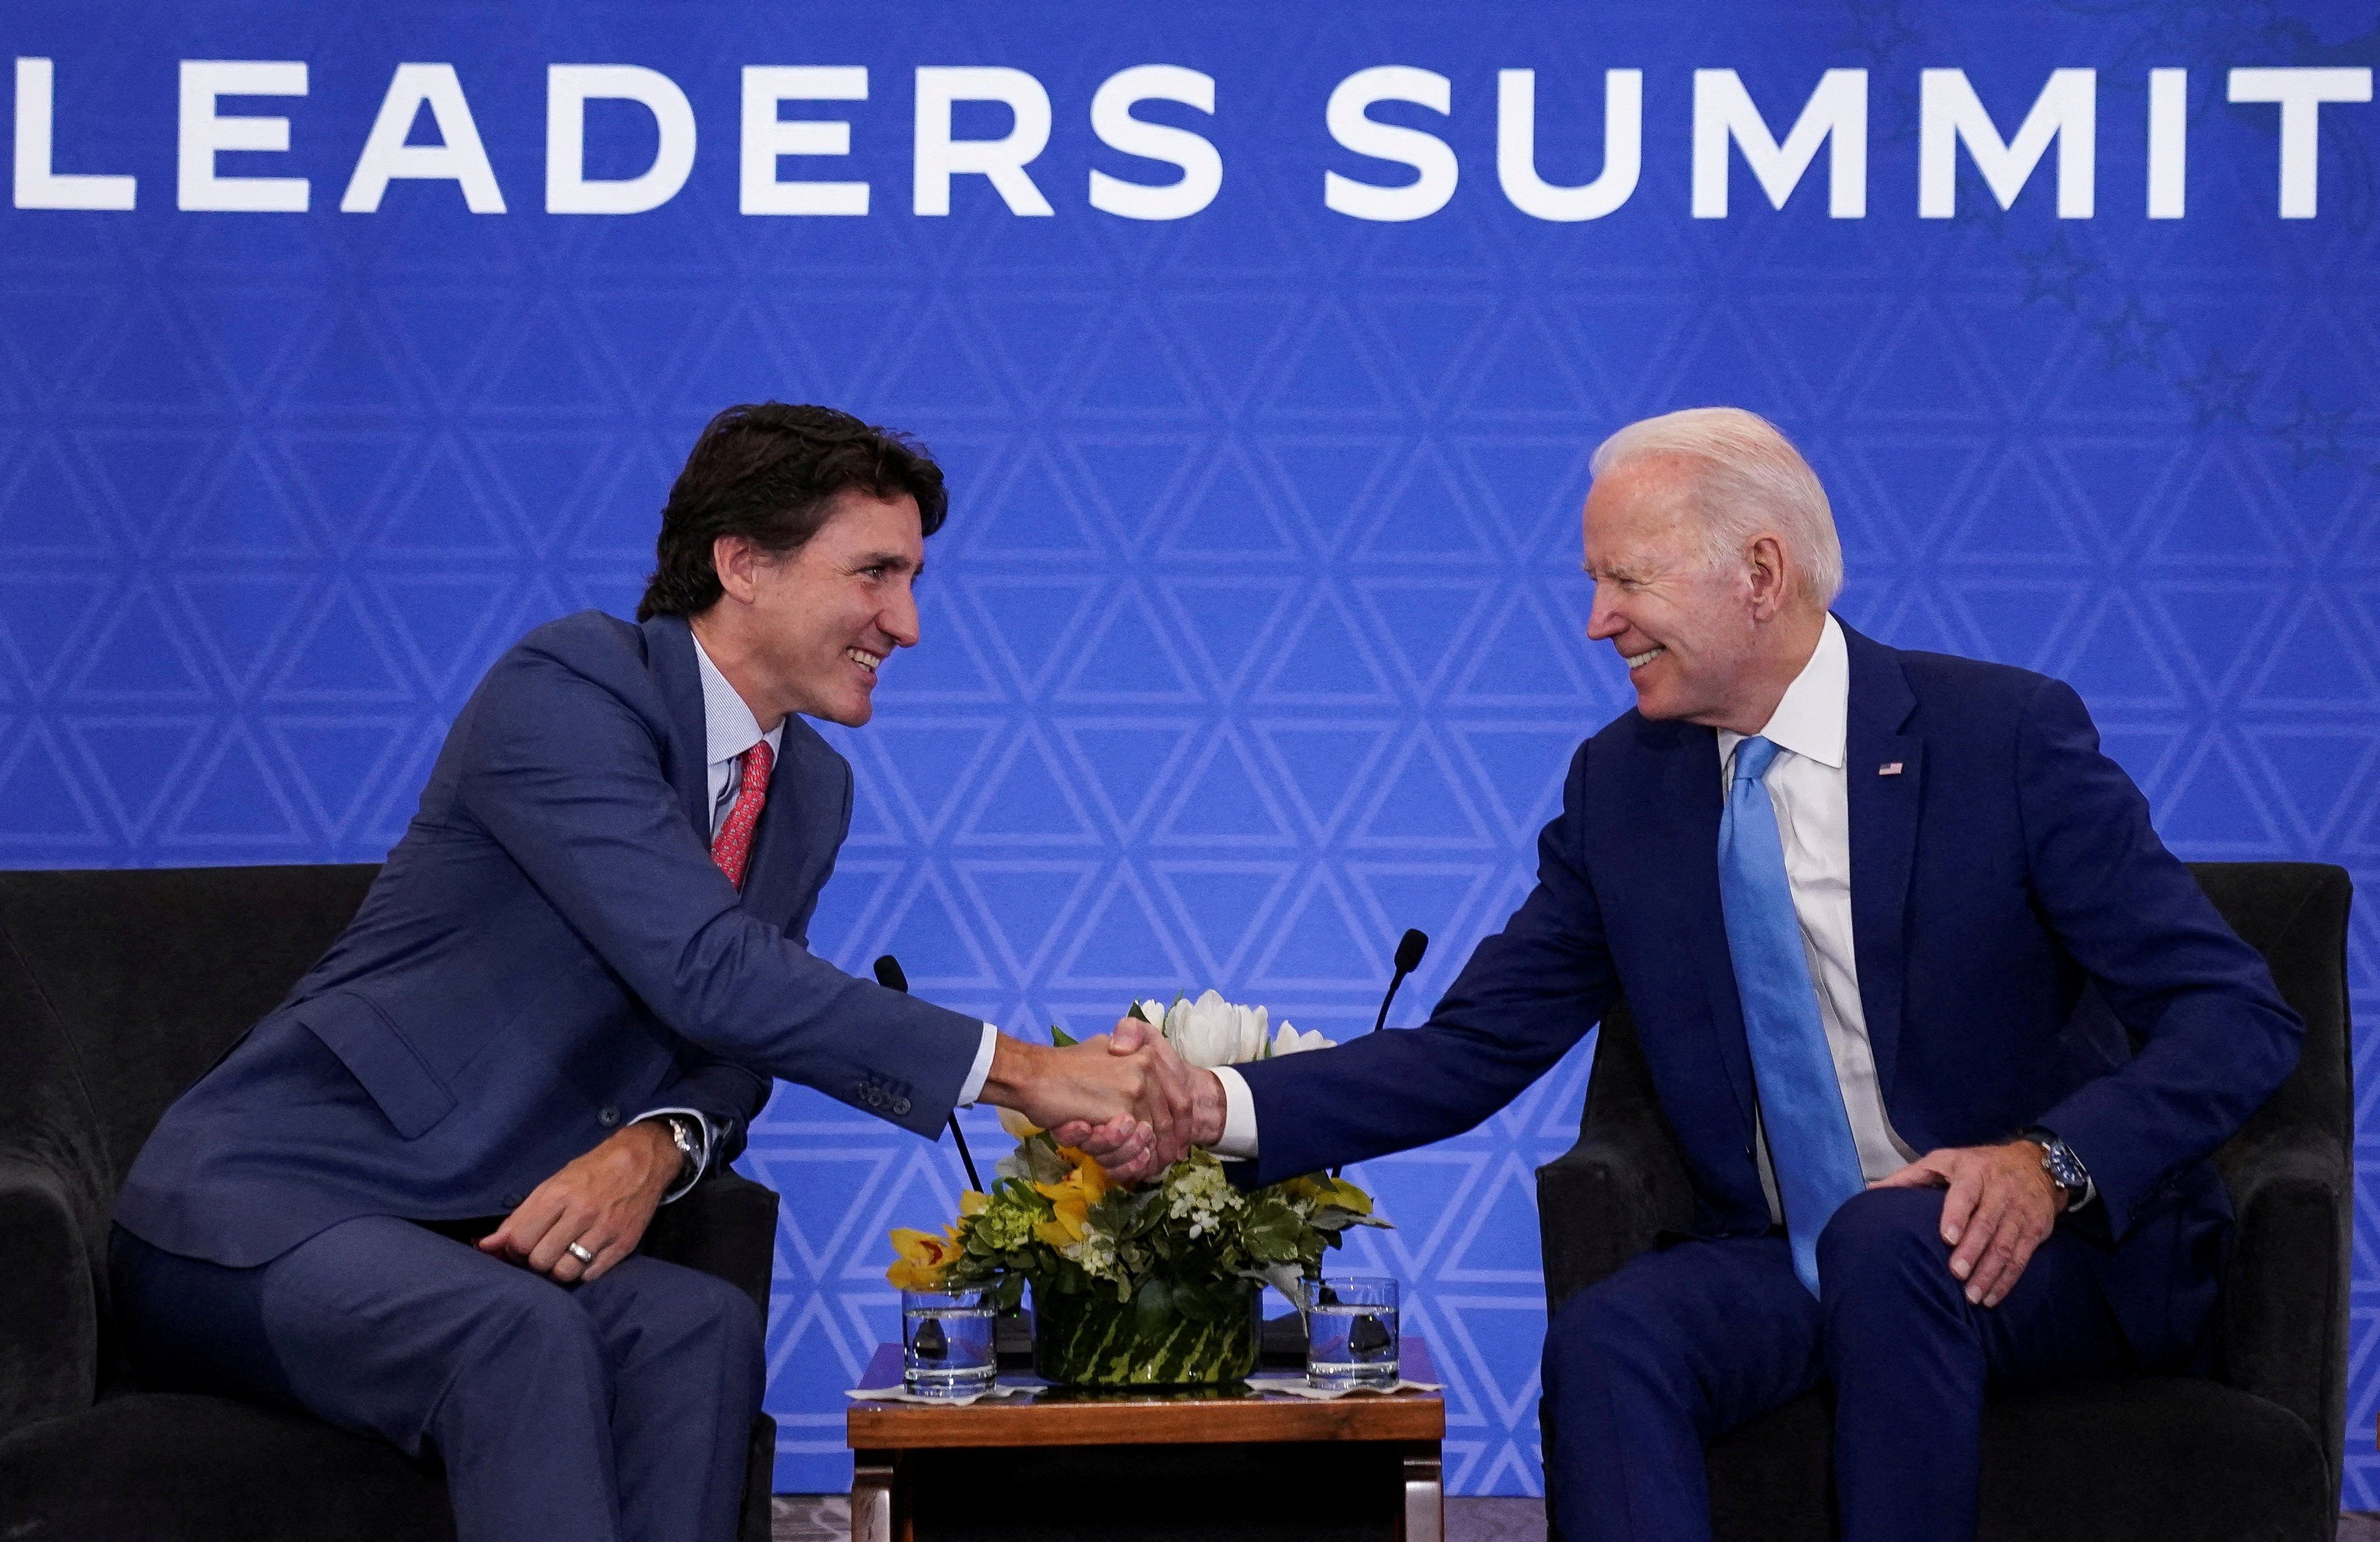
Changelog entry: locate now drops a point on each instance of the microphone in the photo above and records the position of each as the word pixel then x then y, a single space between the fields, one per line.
pixel 1409 951
pixel 889 976
pixel 1409 947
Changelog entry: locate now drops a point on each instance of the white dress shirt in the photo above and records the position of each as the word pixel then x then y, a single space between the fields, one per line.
pixel 1806 787
pixel 1813 803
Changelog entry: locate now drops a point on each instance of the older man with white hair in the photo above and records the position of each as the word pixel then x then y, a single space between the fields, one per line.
pixel 1852 895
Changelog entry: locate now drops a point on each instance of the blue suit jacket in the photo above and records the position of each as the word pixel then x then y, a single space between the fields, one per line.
pixel 2006 864
pixel 548 952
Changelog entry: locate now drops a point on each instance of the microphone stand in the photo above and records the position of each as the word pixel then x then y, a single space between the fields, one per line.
pixel 1409 948
pixel 889 976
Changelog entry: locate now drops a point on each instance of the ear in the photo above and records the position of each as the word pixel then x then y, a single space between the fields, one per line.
pixel 737 561
pixel 1764 568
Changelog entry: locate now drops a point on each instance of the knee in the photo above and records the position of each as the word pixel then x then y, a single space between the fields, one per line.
pixel 1607 1330
pixel 683 1311
pixel 532 1316
pixel 1886 1243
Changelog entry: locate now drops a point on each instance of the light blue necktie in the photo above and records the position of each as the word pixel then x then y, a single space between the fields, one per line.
pixel 1801 1102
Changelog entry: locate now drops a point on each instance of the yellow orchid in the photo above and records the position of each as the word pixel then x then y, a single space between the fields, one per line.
pixel 1065 1228
pixel 1073 1197
pixel 971 1204
pixel 923 1257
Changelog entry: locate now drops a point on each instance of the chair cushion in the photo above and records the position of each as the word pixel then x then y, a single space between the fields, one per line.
pixel 202 1469
pixel 2169 1458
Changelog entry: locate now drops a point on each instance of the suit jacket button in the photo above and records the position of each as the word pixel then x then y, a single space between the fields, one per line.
pixel 512 1201
pixel 609 1117
pixel 900 1106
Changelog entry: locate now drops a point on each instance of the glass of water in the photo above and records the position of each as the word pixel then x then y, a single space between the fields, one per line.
pixel 1352 1333
pixel 946 1343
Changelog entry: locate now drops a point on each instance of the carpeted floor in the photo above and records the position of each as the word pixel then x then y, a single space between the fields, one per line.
pixel 827 1518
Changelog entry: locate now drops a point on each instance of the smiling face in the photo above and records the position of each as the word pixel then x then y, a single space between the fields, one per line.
pixel 1698 637
pixel 805 631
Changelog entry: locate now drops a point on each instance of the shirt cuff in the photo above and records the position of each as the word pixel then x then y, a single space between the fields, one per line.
pixel 972 1088
pixel 701 1148
pixel 1239 1142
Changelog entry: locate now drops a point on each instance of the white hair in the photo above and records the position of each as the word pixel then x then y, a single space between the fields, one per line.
pixel 1748 480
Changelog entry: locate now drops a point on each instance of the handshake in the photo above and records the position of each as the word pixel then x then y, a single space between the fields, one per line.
pixel 1126 1098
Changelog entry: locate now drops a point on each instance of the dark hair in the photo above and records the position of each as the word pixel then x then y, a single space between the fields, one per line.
pixel 768 473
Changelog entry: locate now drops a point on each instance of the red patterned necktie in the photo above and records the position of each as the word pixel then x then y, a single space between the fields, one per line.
pixel 731 848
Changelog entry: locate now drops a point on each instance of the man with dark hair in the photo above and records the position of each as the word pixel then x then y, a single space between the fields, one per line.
pixel 410 1200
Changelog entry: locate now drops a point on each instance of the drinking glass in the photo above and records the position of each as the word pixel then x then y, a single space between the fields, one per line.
pixel 946 1343
pixel 1352 1333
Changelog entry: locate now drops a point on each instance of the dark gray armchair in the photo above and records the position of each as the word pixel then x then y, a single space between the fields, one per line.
pixel 2253 1453
pixel 119 990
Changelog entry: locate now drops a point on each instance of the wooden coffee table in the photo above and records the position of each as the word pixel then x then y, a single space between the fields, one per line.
pixel 1125 1464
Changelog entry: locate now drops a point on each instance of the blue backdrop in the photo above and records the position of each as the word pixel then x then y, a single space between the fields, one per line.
pixel 1254 636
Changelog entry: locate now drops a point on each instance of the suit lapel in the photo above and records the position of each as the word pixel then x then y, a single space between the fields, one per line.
pixel 1884 772
pixel 788 848
pixel 1686 859
pixel 668 653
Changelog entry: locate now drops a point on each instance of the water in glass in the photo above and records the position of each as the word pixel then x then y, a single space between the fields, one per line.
pixel 946 1343
pixel 1351 1334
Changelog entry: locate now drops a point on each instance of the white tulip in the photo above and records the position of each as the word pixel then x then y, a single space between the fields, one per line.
pixel 1211 1032
pixel 1289 1041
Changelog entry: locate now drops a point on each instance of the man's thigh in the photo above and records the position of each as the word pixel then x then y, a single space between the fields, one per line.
pixel 366 1324
pixel 1718 1330
pixel 1890 1293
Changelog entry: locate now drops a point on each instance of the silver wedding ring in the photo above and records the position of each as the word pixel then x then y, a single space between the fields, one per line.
pixel 579 1253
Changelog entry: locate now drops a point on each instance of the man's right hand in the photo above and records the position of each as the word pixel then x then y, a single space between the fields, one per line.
pixel 1128 1105
pixel 1203 1125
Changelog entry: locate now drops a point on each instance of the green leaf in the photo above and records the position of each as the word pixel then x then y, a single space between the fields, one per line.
pixel 1062 1039
pixel 1154 1302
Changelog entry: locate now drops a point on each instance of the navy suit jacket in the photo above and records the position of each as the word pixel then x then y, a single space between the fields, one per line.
pixel 2007 864
pixel 548 952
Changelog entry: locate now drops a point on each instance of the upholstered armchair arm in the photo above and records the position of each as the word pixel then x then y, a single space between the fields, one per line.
pixel 2285 1283
pixel 1605 1200
pixel 725 1225
pixel 49 1305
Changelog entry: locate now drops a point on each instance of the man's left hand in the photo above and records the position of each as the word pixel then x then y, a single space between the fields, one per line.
pixel 604 1201
pixel 2000 1205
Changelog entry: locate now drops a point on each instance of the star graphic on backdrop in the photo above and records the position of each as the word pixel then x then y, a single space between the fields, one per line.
pixel 2055 272
pixel 2312 434
pixel 2219 391
pixel 2132 333
pixel 1879 29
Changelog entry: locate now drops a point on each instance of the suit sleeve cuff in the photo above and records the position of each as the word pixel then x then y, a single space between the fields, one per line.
pixel 701 1162
pixel 972 1088
pixel 1239 1142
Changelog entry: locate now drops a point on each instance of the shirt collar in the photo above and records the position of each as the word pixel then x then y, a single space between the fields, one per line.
pixel 728 726
pixel 1811 716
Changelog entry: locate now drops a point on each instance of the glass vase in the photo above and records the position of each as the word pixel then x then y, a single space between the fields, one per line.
pixel 1093 1340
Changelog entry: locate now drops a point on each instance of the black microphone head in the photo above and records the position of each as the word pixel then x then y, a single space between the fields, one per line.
pixel 1409 950
pixel 889 975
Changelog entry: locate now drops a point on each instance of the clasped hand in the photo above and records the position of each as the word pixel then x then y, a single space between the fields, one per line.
pixel 1125 1099
pixel 1999 1206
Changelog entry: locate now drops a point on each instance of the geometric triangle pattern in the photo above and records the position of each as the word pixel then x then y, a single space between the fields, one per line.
pixel 1256 634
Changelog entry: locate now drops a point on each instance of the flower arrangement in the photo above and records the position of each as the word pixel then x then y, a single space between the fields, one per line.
pixel 1150 1283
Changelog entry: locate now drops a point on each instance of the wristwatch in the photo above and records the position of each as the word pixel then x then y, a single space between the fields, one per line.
pixel 689 1143
pixel 2058 1159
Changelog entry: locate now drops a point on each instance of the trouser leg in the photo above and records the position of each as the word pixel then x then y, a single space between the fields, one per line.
pixel 683 1350
pixel 380 1326
pixel 1911 1359
pixel 1642 1369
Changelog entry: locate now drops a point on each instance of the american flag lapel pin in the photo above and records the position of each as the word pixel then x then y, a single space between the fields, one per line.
pixel 1890 768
